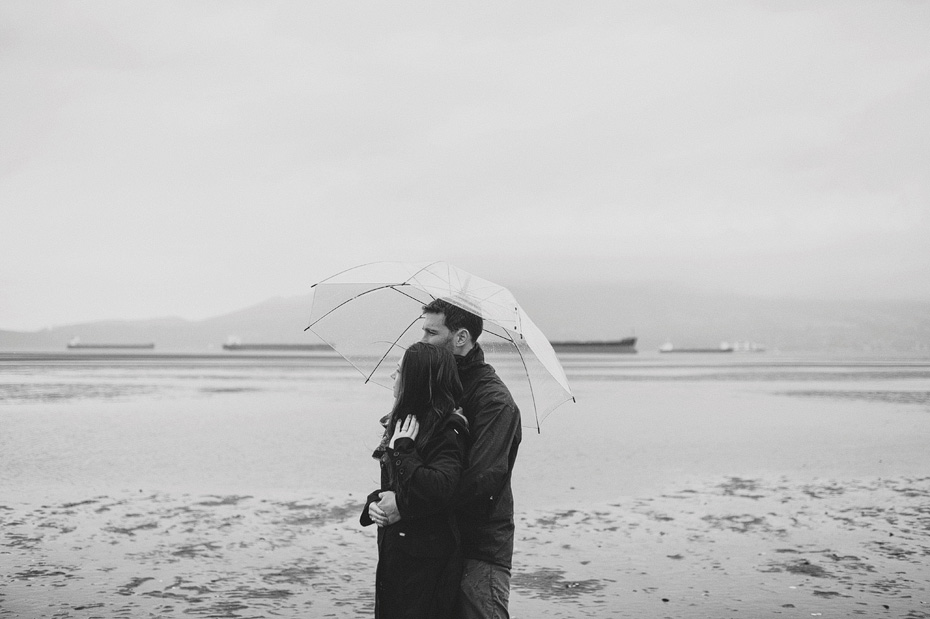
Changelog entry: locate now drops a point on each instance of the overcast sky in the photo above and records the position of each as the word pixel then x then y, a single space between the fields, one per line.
pixel 192 158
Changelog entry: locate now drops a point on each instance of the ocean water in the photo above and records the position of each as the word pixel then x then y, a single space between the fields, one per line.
pixel 78 423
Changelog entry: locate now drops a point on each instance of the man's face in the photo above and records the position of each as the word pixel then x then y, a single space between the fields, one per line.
pixel 436 332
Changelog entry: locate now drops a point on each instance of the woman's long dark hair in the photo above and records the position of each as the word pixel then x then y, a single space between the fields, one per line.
pixel 429 388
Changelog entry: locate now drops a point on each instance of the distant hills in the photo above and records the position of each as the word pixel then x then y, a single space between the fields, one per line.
pixel 277 320
pixel 654 313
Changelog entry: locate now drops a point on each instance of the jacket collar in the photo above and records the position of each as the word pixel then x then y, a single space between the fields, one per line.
pixel 474 358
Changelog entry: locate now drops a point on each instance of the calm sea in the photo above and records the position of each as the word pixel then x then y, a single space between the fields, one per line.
pixel 78 424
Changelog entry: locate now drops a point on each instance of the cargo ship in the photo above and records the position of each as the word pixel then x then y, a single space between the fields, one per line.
pixel 235 344
pixel 76 343
pixel 280 347
pixel 626 345
pixel 668 347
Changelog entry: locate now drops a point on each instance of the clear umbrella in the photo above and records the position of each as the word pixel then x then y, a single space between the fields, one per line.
pixel 369 314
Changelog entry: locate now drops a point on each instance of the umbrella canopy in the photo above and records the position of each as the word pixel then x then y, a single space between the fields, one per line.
pixel 370 314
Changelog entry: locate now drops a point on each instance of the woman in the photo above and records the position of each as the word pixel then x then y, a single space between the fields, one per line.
pixel 422 454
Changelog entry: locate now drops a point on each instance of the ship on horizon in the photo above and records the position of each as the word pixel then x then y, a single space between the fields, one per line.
pixel 76 343
pixel 724 347
pixel 625 345
pixel 235 344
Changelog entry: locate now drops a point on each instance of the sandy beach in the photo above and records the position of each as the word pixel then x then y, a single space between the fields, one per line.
pixel 693 488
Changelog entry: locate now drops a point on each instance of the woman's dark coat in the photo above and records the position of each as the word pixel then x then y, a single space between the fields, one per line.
pixel 419 560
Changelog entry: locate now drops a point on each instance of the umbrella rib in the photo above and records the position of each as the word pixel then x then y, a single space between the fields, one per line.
pixel 413 277
pixel 389 348
pixel 420 270
pixel 410 296
pixel 350 362
pixel 497 335
pixel 370 290
pixel 529 382
pixel 358 266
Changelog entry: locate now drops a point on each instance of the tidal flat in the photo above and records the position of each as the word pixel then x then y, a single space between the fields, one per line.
pixel 220 486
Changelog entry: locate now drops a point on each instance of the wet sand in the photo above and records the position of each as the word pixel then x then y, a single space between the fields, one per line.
pixel 740 547
pixel 677 492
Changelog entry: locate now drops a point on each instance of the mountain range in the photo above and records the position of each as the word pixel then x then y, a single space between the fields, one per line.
pixel 654 313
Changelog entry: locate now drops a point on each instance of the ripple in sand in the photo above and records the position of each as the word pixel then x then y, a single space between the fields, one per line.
pixel 202 549
pixel 41 573
pixel 745 488
pixel 217 501
pixel 547 583
pixel 299 574
pixel 130 587
pixel 741 523
pixel 131 531
pixel 319 514
pixel 21 541
pixel 800 566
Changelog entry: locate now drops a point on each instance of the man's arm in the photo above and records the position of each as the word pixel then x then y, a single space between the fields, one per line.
pixel 426 488
pixel 494 426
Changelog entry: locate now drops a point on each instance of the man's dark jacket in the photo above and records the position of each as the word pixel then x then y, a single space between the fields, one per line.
pixel 484 501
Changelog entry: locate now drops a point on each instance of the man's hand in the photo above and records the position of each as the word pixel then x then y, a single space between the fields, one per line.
pixel 377 514
pixel 385 512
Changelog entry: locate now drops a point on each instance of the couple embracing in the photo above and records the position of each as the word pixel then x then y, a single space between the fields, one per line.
pixel 445 507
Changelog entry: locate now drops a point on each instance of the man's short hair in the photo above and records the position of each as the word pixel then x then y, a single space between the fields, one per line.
pixel 456 318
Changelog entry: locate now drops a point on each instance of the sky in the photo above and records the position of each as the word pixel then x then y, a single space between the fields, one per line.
pixel 193 158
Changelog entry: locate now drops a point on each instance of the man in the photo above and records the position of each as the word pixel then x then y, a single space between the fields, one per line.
pixel 484 502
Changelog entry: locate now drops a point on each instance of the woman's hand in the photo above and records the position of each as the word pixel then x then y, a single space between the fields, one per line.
pixel 408 428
